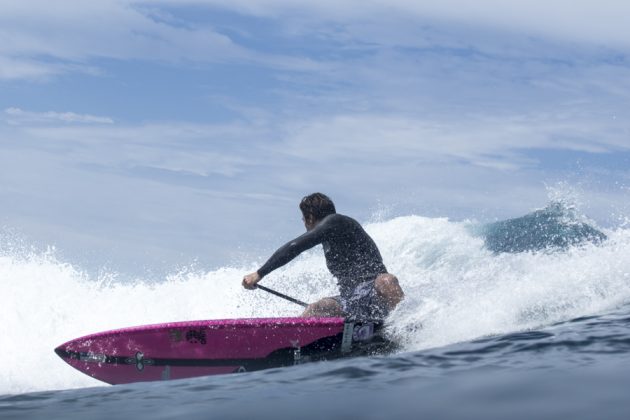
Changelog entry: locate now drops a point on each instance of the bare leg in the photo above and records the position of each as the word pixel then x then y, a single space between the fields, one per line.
pixel 326 307
pixel 388 289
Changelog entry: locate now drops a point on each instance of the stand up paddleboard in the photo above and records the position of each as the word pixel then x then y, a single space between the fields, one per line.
pixel 199 348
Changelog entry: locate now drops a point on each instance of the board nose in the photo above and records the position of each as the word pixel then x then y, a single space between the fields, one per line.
pixel 61 352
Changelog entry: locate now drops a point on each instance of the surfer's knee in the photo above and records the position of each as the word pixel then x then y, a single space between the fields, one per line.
pixel 386 281
pixel 389 289
pixel 323 307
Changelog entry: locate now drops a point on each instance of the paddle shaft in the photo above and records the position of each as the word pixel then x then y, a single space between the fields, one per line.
pixel 289 298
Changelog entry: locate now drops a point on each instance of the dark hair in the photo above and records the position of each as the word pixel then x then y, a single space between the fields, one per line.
pixel 317 205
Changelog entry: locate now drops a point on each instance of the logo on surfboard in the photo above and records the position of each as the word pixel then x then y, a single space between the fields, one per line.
pixel 139 361
pixel 196 336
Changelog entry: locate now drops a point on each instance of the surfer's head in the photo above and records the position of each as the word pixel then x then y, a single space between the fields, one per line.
pixel 314 208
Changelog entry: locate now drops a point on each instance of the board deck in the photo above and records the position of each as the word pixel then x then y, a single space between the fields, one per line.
pixel 199 348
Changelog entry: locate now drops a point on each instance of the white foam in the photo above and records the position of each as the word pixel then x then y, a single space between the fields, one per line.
pixel 459 291
pixel 455 288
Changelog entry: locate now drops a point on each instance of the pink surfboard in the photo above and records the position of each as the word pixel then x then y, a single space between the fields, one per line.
pixel 199 348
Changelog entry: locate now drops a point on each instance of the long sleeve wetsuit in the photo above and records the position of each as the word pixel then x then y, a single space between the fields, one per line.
pixel 351 255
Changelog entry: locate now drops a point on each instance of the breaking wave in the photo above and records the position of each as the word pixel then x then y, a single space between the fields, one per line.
pixel 457 289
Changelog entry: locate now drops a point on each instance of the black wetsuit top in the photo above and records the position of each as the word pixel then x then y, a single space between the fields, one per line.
pixel 351 255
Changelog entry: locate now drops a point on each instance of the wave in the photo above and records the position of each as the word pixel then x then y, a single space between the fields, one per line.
pixel 556 227
pixel 456 290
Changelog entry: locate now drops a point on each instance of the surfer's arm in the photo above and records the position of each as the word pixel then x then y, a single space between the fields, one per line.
pixel 292 249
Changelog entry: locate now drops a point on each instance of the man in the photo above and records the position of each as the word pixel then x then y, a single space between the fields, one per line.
pixel 367 290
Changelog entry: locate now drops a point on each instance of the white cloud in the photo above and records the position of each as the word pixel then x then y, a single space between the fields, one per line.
pixel 18 68
pixel 602 22
pixel 40 40
pixel 21 68
pixel 493 142
pixel 500 142
pixel 17 116
pixel 186 149
pixel 76 30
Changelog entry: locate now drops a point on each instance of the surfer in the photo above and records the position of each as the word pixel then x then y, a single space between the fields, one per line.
pixel 367 290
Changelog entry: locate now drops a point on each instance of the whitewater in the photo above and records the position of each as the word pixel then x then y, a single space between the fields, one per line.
pixel 457 291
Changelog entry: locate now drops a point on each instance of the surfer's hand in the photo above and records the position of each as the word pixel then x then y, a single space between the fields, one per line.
pixel 250 280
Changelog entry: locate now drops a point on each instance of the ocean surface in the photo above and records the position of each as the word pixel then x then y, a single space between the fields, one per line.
pixel 486 331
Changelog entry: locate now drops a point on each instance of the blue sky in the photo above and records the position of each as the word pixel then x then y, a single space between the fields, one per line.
pixel 149 133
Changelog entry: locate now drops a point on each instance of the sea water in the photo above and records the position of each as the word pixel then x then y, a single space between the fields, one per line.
pixel 544 333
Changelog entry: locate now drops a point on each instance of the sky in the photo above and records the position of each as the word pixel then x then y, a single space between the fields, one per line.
pixel 143 135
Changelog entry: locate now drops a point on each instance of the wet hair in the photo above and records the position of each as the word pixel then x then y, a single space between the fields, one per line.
pixel 317 205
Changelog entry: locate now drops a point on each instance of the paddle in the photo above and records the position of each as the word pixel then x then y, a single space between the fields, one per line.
pixel 289 298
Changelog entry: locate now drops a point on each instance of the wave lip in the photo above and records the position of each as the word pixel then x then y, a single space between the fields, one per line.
pixel 553 228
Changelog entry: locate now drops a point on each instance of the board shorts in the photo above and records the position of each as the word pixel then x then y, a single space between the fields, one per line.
pixel 362 303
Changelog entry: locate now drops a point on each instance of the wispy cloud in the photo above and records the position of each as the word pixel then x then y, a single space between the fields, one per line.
pixel 601 23
pixel 17 116
pixel 13 68
pixel 501 143
pixel 494 142
pixel 201 150
pixel 75 30
pixel 41 41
